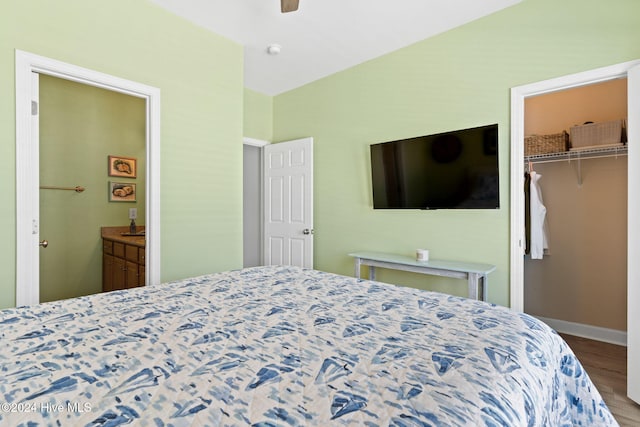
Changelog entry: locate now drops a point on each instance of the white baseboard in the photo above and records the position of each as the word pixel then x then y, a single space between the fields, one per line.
pixel 612 336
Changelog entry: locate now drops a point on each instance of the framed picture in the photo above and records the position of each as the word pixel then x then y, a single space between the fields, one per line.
pixel 122 191
pixel 123 166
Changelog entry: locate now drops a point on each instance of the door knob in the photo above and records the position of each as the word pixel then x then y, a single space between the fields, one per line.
pixel 44 243
pixel 307 231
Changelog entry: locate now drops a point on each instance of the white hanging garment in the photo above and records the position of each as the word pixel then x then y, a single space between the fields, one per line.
pixel 539 235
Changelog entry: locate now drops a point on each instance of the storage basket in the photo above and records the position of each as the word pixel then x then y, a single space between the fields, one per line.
pixel 595 134
pixel 543 144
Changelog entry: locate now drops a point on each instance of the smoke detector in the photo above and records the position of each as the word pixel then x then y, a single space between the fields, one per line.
pixel 274 49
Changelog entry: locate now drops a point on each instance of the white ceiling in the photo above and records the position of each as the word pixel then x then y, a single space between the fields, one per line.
pixel 323 36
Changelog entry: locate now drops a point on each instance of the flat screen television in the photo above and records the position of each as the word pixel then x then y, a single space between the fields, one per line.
pixel 451 170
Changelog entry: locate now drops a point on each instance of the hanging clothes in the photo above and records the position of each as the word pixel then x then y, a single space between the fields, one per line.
pixel 539 234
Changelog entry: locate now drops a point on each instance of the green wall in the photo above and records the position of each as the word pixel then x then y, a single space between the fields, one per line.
pixel 80 126
pixel 258 115
pixel 459 79
pixel 199 75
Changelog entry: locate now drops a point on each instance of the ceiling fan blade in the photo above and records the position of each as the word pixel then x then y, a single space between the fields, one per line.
pixel 288 5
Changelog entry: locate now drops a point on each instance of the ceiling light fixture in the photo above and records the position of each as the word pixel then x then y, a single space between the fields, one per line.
pixel 274 49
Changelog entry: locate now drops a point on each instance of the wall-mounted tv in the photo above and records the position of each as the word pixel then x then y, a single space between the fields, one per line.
pixel 451 170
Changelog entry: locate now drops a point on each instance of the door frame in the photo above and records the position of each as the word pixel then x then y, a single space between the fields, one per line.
pixel 27 175
pixel 260 144
pixel 518 95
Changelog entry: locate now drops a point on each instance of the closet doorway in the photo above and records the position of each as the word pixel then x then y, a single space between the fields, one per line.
pixel 579 286
pixel 630 70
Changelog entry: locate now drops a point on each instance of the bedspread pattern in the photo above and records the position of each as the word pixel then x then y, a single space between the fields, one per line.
pixel 271 346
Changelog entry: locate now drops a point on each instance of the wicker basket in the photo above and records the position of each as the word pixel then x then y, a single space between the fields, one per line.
pixel 543 144
pixel 594 134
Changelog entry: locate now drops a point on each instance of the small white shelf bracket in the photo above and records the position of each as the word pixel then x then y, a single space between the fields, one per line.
pixel 579 171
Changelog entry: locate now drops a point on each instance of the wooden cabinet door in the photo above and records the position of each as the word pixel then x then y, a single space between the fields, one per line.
pixel 141 256
pixel 123 266
pixel 119 276
pixel 142 279
pixel 132 275
pixel 107 273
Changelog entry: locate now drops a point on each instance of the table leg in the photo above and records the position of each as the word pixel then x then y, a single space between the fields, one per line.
pixel 474 278
pixel 357 261
pixel 485 286
pixel 372 273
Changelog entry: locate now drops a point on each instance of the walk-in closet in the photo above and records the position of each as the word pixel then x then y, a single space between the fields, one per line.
pixel 581 280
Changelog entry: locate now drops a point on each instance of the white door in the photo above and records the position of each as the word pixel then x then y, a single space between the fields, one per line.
pixel 633 236
pixel 288 203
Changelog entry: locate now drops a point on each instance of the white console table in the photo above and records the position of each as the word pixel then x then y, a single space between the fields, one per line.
pixel 475 274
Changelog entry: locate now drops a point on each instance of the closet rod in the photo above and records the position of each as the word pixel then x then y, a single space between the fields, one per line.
pixel 77 189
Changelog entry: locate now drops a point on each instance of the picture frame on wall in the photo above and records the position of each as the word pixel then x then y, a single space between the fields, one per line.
pixel 122 191
pixel 125 167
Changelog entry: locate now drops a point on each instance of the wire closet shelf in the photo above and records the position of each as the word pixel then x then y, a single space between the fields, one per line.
pixel 577 156
pixel 583 154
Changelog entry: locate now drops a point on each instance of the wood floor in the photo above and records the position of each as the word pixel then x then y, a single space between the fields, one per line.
pixel 606 365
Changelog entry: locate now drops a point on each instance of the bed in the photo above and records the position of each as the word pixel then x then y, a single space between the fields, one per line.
pixel 285 346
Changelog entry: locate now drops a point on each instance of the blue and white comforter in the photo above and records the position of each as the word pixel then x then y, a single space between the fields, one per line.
pixel 283 346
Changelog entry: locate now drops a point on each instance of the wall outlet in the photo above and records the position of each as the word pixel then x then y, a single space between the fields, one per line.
pixel 133 213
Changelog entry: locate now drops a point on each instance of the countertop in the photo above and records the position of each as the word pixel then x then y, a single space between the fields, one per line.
pixel 116 234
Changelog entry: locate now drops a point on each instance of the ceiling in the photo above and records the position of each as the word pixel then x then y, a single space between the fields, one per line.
pixel 323 36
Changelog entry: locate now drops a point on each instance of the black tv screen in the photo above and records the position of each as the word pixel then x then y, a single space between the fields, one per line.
pixel 451 170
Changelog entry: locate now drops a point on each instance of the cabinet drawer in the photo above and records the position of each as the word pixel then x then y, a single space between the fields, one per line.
pixel 107 247
pixel 118 249
pixel 141 256
pixel 131 253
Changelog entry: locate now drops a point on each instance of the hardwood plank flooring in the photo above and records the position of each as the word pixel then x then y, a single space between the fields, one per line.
pixel 606 365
